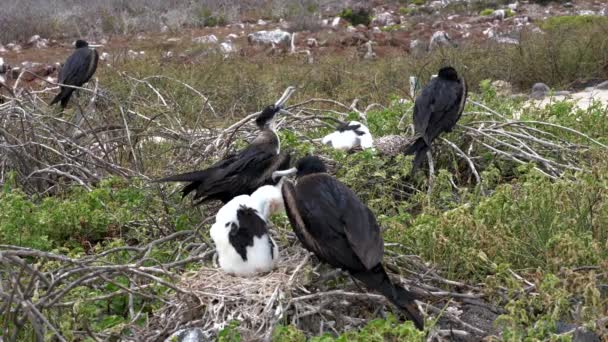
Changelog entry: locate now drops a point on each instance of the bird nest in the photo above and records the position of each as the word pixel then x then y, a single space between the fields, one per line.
pixel 211 298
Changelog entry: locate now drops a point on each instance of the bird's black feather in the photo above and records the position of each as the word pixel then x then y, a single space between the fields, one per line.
pixel 330 221
pixel 250 225
pixel 77 70
pixel 437 110
pixel 238 174
pixel 267 115
pixel 377 279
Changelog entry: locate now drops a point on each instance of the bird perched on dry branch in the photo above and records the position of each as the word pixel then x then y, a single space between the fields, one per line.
pixel 241 173
pixel 77 70
pixel 330 221
pixel 437 110
pixel 348 136
pixel 240 232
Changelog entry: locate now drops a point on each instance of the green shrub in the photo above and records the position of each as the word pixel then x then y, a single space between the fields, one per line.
pixel 574 22
pixel 487 11
pixel 419 2
pixel 360 16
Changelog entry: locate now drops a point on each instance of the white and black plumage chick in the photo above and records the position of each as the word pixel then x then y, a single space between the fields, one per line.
pixel 241 173
pixel 436 110
pixel 332 222
pixel 77 70
pixel 240 232
pixel 348 136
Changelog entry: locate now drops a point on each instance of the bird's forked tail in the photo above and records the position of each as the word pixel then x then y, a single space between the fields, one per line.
pixel 378 280
pixel 419 148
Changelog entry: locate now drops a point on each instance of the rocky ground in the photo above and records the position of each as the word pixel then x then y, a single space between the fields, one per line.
pixel 394 30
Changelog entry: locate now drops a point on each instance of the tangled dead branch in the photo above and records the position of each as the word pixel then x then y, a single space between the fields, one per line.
pixel 48 150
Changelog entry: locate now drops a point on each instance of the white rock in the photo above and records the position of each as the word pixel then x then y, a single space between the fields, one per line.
pixel 2 79
pixel 34 39
pixel 376 29
pixel 506 40
pixel 2 49
pixel 232 36
pixel 325 22
pixel 103 41
pixel 335 22
pixel 227 48
pixel 351 29
pixel 452 17
pixel 104 56
pixel 261 22
pixel 489 32
pixel 51 79
pixel 276 37
pixel 499 14
pixel 513 6
pixel 586 12
pixel 173 40
pixel 167 54
pixel 436 4
pixel 132 54
pixel 3 66
pixel 164 29
pixel 385 19
pixel 439 38
pixel 210 39
pixel 312 42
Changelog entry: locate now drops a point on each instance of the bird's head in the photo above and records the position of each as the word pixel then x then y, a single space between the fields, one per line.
pixel 265 118
pixel 448 73
pixel 81 44
pixel 305 166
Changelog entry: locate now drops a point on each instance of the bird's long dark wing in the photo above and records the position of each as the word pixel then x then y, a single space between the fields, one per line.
pixel 288 191
pixel 339 223
pixel 423 108
pixel 76 69
pixel 445 109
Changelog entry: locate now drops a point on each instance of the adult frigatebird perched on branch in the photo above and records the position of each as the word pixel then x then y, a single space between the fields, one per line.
pixel 330 221
pixel 437 110
pixel 241 173
pixel 77 70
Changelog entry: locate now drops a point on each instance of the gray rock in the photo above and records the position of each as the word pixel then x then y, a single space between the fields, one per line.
pixel 568 5
pixel 210 39
pixel 499 14
pixel 539 91
pixel 503 88
pixel 602 86
pixel 189 335
pixel 586 12
pixel 3 66
pixel 506 40
pixel 579 334
pixel 385 19
pixel 227 48
pixel 439 38
pixel 276 37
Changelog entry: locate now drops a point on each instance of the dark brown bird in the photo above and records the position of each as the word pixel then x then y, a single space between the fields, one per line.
pixel 241 173
pixel 437 109
pixel 330 221
pixel 77 70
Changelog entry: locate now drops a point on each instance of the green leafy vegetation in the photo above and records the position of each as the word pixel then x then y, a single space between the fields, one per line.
pixel 356 17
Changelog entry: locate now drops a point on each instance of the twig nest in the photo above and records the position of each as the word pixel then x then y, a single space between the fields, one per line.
pixel 391 145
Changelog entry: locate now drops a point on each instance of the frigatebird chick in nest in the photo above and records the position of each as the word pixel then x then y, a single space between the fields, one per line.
pixel 436 110
pixel 240 232
pixel 332 222
pixel 349 136
pixel 243 172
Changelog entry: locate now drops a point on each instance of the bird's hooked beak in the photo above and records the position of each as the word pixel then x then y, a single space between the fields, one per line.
pixel 95 45
pixel 283 173
pixel 286 95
